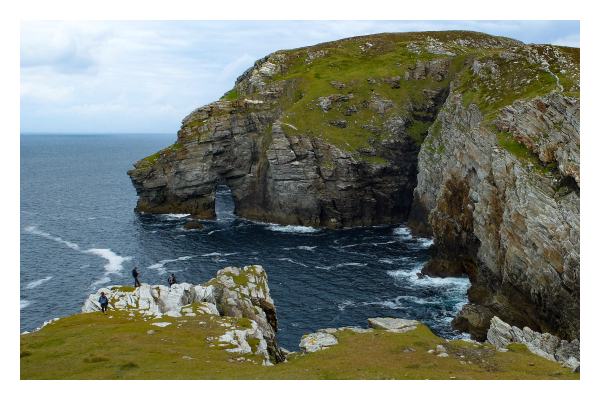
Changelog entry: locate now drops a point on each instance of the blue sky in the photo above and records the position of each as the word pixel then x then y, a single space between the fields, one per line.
pixel 146 76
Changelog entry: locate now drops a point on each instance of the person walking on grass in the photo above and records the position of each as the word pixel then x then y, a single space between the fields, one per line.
pixel 172 280
pixel 103 303
pixel 135 274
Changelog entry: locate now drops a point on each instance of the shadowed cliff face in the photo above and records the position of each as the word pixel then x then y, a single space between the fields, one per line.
pixel 508 221
pixel 471 139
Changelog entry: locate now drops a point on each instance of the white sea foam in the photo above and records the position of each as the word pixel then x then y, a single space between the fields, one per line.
pixel 24 303
pixel 35 231
pixel 393 304
pixel 402 231
pixel 424 242
pixel 175 216
pixel 101 281
pixel 345 303
pixel 211 255
pixel 458 284
pixel 159 266
pixel 114 261
pixel 418 300
pixel 211 232
pixel 341 265
pixel 291 228
pixel 114 265
pixel 33 284
pixel 293 262
pixel 310 248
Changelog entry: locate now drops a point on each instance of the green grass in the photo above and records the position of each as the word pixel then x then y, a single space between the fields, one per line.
pixel 232 95
pixel 93 346
pixel 351 61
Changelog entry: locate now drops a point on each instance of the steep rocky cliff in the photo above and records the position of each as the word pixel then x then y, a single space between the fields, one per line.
pixel 498 187
pixel 323 136
pixel 470 138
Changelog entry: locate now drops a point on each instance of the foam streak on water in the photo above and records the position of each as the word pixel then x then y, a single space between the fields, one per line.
pixel 159 266
pixel 37 283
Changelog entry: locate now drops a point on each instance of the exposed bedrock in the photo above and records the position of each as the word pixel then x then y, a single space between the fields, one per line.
pixel 509 220
pixel 279 174
pixel 421 128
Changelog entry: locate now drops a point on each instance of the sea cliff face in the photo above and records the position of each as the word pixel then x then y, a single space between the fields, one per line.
pixel 469 138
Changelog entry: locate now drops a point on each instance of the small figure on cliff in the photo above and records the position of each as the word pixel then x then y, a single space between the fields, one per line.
pixel 172 280
pixel 103 303
pixel 135 274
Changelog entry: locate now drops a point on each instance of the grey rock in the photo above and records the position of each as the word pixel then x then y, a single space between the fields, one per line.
pixel 497 221
pixel 544 345
pixel 317 341
pixel 391 323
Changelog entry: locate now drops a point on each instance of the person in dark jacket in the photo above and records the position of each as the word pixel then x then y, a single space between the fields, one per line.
pixel 135 274
pixel 103 303
pixel 172 280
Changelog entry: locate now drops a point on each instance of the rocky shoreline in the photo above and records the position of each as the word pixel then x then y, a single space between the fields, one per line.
pixel 471 139
pixel 236 295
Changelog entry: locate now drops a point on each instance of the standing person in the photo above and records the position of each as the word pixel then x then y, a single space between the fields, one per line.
pixel 103 303
pixel 135 274
pixel 172 280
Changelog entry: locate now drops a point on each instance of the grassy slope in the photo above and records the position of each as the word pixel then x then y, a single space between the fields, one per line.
pixel 93 346
pixel 352 61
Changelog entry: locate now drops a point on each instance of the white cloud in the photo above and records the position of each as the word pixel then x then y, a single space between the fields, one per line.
pixel 145 76
pixel 570 41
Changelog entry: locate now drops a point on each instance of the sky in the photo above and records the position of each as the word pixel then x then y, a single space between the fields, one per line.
pixel 146 76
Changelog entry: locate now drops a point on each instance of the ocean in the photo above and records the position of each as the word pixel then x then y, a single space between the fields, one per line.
pixel 79 232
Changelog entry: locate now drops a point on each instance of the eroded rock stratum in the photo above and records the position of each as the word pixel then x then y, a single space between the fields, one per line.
pixel 469 138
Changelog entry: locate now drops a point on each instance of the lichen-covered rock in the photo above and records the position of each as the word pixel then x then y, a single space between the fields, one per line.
pixel 501 218
pixel 155 300
pixel 317 341
pixel 393 324
pixel 239 293
pixel 544 345
pixel 245 293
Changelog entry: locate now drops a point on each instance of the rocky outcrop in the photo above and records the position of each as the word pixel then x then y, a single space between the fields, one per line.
pixel 504 211
pixel 397 325
pixel 491 125
pixel 281 174
pixel 544 345
pixel 325 338
pixel 238 293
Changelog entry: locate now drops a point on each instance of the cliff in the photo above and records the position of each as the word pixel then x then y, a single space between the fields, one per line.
pixel 498 187
pixel 469 138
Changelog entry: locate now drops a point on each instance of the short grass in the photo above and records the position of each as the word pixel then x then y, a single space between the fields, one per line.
pixel 93 346
pixel 353 61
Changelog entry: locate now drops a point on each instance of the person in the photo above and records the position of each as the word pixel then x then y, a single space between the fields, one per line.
pixel 172 280
pixel 103 303
pixel 135 274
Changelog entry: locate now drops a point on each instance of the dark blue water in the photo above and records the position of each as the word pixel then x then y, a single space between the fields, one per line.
pixel 79 232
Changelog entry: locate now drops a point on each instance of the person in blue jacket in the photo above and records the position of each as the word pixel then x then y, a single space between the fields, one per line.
pixel 135 274
pixel 103 303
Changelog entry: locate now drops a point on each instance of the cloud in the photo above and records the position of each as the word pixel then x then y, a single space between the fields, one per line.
pixel 570 41
pixel 67 47
pixel 146 76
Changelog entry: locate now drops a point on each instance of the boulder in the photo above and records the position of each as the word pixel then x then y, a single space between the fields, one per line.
pixel 192 225
pixel 397 325
pixel 317 341
pixel 544 345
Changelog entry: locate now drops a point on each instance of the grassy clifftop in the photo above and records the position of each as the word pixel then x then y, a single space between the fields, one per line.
pixel 94 346
pixel 374 81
